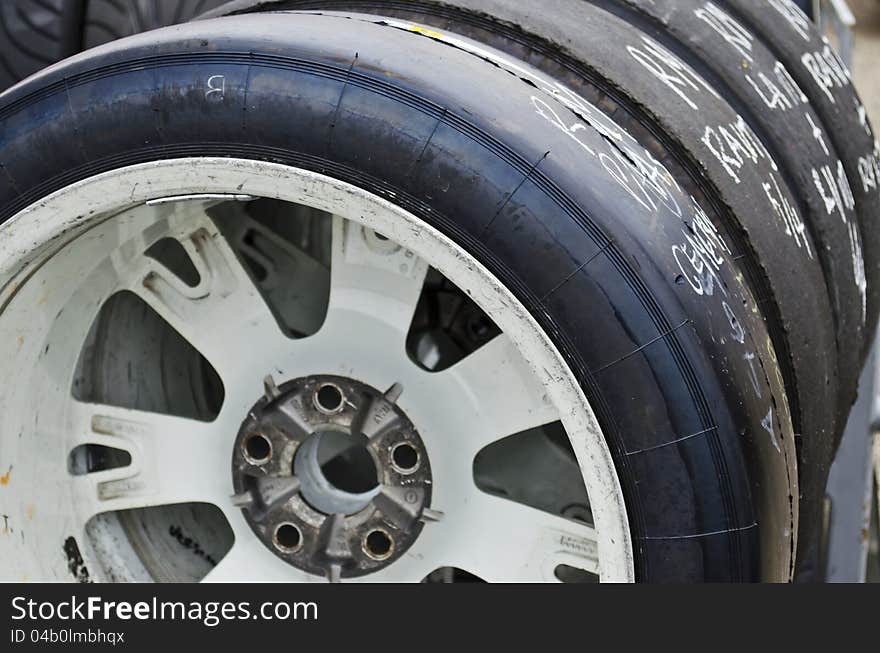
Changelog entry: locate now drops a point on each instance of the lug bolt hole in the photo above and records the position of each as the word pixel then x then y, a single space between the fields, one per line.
pixel 405 458
pixel 288 537
pixel 329 399
pixel 258 449
pixel 378 544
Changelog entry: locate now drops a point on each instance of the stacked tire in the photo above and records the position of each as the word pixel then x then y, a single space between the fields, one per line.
pixel 682 193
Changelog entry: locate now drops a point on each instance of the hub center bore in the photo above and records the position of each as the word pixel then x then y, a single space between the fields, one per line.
pixel 332 476
pixel 336 472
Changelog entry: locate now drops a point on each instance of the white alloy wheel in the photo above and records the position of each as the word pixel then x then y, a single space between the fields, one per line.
pixel 64 257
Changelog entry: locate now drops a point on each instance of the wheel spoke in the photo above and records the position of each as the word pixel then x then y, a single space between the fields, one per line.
pixel 294 283
pixel 173 460
pixel 500 540
pixel 372 279
pixel 496 393
pixel 224 316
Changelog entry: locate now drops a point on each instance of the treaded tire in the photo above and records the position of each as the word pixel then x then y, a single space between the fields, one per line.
pixel 108 20
pixel 674 356
pixel 36 33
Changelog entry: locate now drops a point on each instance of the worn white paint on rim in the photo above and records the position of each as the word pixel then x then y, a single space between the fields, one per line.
pixel 42 231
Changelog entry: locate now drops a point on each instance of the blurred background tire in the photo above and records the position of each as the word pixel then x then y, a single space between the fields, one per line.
pixel 36 33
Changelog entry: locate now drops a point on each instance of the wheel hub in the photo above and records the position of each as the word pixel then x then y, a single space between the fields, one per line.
pixel 331 475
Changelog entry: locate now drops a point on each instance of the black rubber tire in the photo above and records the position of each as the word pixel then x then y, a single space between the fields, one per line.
pixel 826 82
pixel 36 33
pixel 759 88
pixel 643 299
pixel 842 223
pixel 797 295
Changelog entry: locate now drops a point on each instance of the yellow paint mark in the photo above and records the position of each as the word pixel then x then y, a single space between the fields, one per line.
pixel 29 512
pixel 4 480
pixel 20 341
pixel 43 299
pixel 426 32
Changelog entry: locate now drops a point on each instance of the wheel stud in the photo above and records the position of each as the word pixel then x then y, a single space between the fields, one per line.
pixel 430 515
pixel 271 390
pixel 242 500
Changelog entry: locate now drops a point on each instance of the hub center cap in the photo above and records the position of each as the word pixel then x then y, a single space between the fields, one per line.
pixel 331 475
